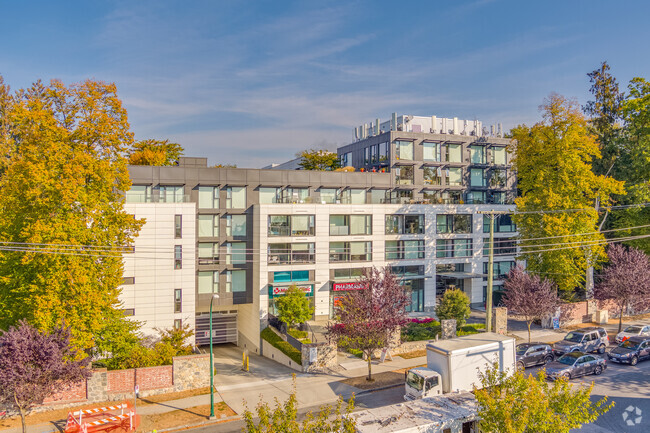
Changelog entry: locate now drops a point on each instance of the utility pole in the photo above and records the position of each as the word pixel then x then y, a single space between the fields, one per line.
pixel 493 215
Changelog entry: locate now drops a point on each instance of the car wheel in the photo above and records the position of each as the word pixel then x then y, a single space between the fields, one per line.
pixel 521 366
pixel 567 376
pixel 598 370
pixel 549 358
pixel 601 349
pixel 634 360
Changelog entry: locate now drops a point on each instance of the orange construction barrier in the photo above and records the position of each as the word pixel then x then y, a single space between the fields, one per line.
pixel 103 419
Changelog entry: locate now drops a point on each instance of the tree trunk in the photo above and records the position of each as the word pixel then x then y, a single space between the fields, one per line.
pixel 529 323
pixel 22 414
pixel 620 316
pixel 369 378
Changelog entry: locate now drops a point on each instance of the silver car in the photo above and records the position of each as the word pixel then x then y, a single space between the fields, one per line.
pixel 633 331
pixel 575 364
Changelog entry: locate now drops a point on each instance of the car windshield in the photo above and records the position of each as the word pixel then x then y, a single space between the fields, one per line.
pixel 627 344
pixel 521 350
pixel 415 381
pixel 568 360
pixel 573 337
pixel 633 329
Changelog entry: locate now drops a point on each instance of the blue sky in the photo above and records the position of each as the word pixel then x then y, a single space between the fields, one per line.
pixel 253 82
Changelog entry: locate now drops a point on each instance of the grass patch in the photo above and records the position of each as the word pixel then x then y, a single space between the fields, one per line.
pixel 413 354
pixel 297 334
pixel 472 328
pixel 274 340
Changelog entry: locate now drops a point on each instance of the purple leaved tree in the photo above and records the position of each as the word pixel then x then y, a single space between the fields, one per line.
pixel 366 319
pixel 625 280
pixel 529 296
pixel 35 364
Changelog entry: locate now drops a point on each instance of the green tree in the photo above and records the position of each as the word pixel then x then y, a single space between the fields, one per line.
pixel 521 403
pixel 319 159
pixel 294 307
pixel 454 305
pixel 558 192
pixel 284 417
pixel 62 168
pixel 155 152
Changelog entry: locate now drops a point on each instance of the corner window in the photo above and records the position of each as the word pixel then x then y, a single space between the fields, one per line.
pixel 404 150
pixel 499 156
pixel 139 194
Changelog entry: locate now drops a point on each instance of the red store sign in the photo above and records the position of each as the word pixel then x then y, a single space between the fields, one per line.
pixel 338 287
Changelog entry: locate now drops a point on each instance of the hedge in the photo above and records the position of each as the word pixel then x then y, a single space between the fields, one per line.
pixel 274 340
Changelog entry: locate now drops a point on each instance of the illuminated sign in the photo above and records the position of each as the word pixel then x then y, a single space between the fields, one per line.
pixel 337 287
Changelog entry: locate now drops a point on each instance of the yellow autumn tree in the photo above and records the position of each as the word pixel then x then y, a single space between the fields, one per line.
pixel 62 224
pixel 155 152
pixel 558 192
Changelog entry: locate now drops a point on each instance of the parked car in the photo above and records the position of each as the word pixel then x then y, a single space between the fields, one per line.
pixel 575 364
pixel 631 351
pixel 530 354
pixel 632 331
pixel 582 340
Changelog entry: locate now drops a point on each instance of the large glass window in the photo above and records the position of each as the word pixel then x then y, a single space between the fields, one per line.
pixel 208 197
pixel 379 196
pixel 208 253
pixel 236 253
pixel 328 195
pixel 236 197
pixel 384 152
pixel 498 179
pixel 290 276
pixel 291 225
pixel 236 281
pixel 270 195
pixel 353 196
pixel 404 175
pixel 476 197
pixel 452 223
pixel 282 254
pixel 346 159
pixel 350 225
pixel 499 155
pixel 404 224
pixel 208 226
pixel 502 224
pixel 235 225
pixel 208 282
pixel 502 246
pixel 401 196
pixel 404 250
pixel 404 150
pixel 454 153
pixel 296 195
pixel 171 193
pixel 499 269
pixel 347 273
pixel 432 175
pixel 350 251
pixel 477 177
pixel 477 154
pixel 416 289
pixel 454 176
pixel 139 194
pixel 431 151
pixel 453 248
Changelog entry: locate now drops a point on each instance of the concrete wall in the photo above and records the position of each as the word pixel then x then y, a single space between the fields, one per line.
pixel 276 355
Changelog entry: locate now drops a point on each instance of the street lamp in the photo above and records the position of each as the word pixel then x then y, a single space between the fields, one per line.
pixel 215 296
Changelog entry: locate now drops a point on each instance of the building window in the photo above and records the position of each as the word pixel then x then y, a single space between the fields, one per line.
pixel 401 196
pixel 270 195
pixel 454 153
pixel 404 224
pixel 235 225
pixel 178 300
pixel 346 159
pixel 353 196
pixel 415 287
pixel 208 253
pixel 178 226
pixel 290 276
pixel 128 311
pixel 208 282
pixel 328 195
pixel 404 150
pixel 208 226
pixel 404 250
pixel 235 281
pixel 296 195
pixel 454 223
pixel 499 269
pixel 291 225
pixel 208 197
pixel 373 154
pixel 128 280
pixel 366 156
pixel 384 152
pixel 476 197
pixel 454 176
pixel 350 251
pixel 171 193
pixel 236 253
pixel 499 156
pixel 178 323
pixel 498 178
pixel 139 194
pixel 347 273
pixel 502 224
pixel 502 247
pixel 453 248
pixel 476 177
pixel 283 254
pixel 379 196
pixel 178 256
pixel 431 151
pixel 477 154
pixel 404 175
pixel 432 175
pixel 343 225
pixel 236 197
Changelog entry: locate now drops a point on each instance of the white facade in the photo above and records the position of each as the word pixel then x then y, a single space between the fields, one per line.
pixel 151 274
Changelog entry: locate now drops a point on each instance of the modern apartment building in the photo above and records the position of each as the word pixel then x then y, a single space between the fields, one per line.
pixel 248 234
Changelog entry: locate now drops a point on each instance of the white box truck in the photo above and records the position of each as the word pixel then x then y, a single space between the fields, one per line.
pixel 453 365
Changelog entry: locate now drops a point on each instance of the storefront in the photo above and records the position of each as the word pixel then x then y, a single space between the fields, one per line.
pixel 340 289
pixel 282 281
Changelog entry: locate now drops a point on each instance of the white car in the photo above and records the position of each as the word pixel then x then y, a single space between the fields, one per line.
pixel 633 331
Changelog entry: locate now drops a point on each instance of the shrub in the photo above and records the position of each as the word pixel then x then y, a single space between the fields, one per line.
pixel 295 333
pixel 454 305
pixel 274 340
pixel 420 329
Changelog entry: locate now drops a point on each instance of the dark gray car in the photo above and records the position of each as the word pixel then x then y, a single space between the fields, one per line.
pixel 575 364
pixel 530 354
pixel 582 340
pixel 631 351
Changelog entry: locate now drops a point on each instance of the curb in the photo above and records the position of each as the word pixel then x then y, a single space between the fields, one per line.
pixel 381 388
pixel 201 424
